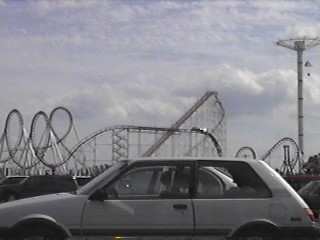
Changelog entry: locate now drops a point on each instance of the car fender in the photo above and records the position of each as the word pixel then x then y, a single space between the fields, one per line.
pixel 40 219
pixel 263 226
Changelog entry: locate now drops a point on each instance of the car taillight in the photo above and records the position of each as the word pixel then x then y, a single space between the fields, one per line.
pixel 310 214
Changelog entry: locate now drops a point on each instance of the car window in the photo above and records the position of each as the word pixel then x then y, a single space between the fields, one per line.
pixel 12 180
pixel 310 189
pixel 58 184
pixel 209 184
pixel 48 184
pixel 229 180
pixel 108 173
pixel 166 181
pixel 83 180
pixel 136 182
pixel 31 182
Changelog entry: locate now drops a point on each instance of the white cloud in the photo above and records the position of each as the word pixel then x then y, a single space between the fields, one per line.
pixel 43 8
pixel 146 62
pixel 304 30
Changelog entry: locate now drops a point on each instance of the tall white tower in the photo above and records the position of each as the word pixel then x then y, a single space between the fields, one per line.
pixel 299 45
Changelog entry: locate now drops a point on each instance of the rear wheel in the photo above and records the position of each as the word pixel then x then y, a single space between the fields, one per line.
pixel 257 232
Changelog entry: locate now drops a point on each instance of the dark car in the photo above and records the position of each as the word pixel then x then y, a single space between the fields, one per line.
pixel 37 185
pixel 311 194
pixel 298 181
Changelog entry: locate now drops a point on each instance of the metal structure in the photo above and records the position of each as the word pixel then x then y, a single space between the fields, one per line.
pixel 284 156
pixel 246 152
pixel 53 143
pixel 43 147
pixel 100 148
pixel 300 45
pixel 216 117
pixel 183 138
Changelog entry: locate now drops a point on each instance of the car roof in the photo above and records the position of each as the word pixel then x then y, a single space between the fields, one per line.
pixel 50 176
pixel 231 159
pixel 16 176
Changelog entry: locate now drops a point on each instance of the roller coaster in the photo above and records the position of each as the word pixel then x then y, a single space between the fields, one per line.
pixel 284 156
pixel 53 143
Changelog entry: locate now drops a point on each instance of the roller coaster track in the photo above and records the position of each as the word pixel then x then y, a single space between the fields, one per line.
pixel 46 144
pixel 246 152
pixel 140 128
pixel 277 144
pixel 186 116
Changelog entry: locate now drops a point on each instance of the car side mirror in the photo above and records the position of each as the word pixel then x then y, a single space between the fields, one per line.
pixel 99 195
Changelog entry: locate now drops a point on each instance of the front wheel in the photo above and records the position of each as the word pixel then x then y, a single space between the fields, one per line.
pixel 40 233
pixel 39 238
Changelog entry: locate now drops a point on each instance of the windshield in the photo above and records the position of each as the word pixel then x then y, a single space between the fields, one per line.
pixel 94 182
pixel 311 188
pixel 12 180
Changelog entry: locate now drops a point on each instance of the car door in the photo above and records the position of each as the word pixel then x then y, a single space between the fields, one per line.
pixel 228 195
pixel 147 201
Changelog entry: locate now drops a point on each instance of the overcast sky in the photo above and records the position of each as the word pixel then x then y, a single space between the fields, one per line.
pixel 142 62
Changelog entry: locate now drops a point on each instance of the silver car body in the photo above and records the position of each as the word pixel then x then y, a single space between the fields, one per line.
pixel 80 216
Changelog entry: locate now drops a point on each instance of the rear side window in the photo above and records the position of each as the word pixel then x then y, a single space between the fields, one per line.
pixel 229 180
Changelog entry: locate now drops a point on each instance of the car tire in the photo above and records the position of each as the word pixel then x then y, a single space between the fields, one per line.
pixel 37 232
pixel 40 237
pixel 44 234
pixel 254 237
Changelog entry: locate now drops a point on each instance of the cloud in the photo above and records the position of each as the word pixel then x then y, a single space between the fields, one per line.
pixel 146 62
pixel 304 30
pixel 44 8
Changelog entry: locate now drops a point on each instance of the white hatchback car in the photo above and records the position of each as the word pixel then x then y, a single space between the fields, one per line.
pixel 185 198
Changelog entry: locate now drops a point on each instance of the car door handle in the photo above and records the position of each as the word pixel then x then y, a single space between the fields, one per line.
pixel 180 206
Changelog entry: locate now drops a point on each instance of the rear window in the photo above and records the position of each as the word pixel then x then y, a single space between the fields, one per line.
pixel 52 183
pixel 229 180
